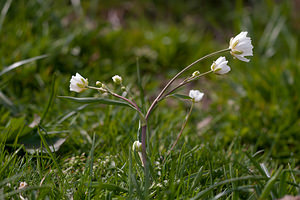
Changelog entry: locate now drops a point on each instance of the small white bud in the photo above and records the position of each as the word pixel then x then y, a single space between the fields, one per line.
pixel 98 83
pixel 117 79
pixel 137 146
pixel 195 73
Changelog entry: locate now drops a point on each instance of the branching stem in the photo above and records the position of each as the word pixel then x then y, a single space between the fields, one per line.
pixel 176 76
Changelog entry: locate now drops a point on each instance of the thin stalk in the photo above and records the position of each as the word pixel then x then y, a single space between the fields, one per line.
pixel 132 103
pixel 184 83
pixel 176 76
pixel 181 131
pixel 144 159
pixel 143 138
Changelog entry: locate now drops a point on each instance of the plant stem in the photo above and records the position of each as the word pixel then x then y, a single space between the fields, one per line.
pixel 181 131
pixel 144 138
pixel 184 83
pixel 176 76
pixel 132 103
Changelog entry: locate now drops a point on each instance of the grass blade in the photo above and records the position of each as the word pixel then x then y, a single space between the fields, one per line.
pixel 139 83
pixel 4 12
pixel 130 174
pixel 91 166
pixel 255 163
pixel 110 187
pixel 25 189
pixel 50 153
pixel 50 100
pixel 20 63
pixel 4 165
pixel 266 191
pixel 209 189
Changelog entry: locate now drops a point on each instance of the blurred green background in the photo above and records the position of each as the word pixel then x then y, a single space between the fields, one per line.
pixel 257 102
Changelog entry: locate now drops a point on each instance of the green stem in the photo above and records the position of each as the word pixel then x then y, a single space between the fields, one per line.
pixel 132 103
pixel 181 131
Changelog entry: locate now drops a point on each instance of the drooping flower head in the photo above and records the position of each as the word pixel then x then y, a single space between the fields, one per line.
pixel 78 83
pixel 117 79
pixel 220 66
pixel 241 46
pixel 196 95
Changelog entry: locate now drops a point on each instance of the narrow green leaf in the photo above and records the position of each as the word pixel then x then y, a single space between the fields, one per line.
pixel 95 100
pixel 69 114
pixel 50 153
pixel 209 189
pixel 282 185
pixel 5 101
pixel 14 192
pixel 255 163
pixel 130 174
pixel 196 179
pixel 266 191
pixel 4 12
pixel 139 83
pixel 180 96
pixel 107 186
pixel 91 166
pixel 10 179
pixel 20 63
pixel 50 99
pixel 5 164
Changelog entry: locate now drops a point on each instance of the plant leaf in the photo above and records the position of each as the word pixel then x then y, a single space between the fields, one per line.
pixel 95 100
pixel 20 63
pixel 180 96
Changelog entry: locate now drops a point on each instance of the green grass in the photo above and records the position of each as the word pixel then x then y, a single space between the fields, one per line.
pixel 241 141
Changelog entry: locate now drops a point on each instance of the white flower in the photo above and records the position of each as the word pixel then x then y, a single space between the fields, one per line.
pixel 137 146
pixel 22 185
pixel 117 79
pixel 78 83
pixel 220 66
pixel 241 46
pixel 196 95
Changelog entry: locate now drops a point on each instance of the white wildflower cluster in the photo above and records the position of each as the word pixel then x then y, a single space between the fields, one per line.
pixel 239 47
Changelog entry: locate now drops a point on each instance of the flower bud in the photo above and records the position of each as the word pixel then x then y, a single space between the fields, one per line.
pixel 123 88
pixel 137 146
pixel 99 84
pixel 117 79
pixel 195 73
